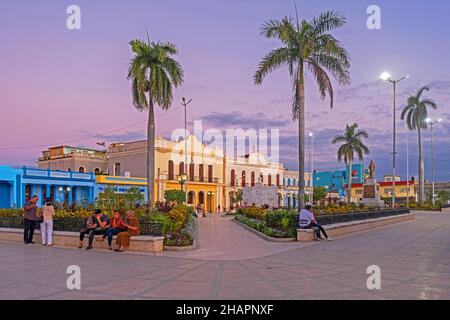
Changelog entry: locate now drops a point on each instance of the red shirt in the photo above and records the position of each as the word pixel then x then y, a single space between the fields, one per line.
pixel 117 223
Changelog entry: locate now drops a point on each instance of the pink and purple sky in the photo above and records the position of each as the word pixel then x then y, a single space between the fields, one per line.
pixel 60 86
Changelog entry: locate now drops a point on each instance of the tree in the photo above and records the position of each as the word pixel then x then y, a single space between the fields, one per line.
pixel 133 195
pixel 237 196
pixel 415 113
pixel 319 193
pixel 443 197
pixel 306 46
pixel 351 143
pixel 153 74
pixel 174 195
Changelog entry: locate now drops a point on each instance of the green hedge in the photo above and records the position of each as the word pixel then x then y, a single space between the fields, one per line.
pixel 270 231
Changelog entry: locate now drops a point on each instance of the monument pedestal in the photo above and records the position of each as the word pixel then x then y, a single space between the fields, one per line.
pixel 371 194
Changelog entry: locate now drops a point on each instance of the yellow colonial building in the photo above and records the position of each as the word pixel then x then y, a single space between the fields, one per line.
pixel 202 177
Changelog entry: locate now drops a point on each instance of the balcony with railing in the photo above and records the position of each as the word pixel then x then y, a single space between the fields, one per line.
pixel 200 179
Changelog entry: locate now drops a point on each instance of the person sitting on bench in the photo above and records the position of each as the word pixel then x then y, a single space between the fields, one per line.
pixel 117 226
pixel 133 229
pixel 89 224
pixel 100 226
pixel 307 221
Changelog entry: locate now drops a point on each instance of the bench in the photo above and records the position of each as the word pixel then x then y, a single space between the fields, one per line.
pixel 141 243
pixel 344 228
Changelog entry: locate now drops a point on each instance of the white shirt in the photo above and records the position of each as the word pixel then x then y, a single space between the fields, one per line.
pixel 306 215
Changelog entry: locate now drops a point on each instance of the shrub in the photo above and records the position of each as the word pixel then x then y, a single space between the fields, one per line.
pixel 281 219
pixel 253 212
pixel 179 215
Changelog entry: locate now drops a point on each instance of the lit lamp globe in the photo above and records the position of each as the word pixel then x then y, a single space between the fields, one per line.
pixel 385 76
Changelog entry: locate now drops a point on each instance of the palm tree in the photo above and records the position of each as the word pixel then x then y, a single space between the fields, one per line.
pixel 351 144
pixel 416 113
pixel 306 46
pixel 153 74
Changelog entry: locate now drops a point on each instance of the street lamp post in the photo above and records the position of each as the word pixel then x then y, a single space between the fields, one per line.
pixel 182 178
pixel 387 77
pixel 407 170
pixel 311 168
pixel 184 103
pixel 432 123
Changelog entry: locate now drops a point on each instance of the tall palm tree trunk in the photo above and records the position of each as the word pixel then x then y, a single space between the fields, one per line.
pixel 421 169
pixel 349 182
pixel 301 139
pixel 150 153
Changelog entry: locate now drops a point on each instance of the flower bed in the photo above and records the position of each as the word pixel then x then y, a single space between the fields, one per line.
pixel 273 223
pixel 177 222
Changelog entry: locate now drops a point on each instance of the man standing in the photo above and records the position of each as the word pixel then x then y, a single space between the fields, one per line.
pixel 307 221
pixel 30 219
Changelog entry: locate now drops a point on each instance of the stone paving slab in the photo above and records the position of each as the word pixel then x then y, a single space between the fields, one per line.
pixel 414 258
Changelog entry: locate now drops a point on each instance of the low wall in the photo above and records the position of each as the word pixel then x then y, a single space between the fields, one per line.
pixel 71 239
pixel 340 229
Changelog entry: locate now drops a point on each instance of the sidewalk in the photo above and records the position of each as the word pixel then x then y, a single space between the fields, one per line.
pixel 222 239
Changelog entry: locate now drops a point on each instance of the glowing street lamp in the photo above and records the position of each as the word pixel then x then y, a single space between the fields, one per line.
pixel 432 122
pixel 385 76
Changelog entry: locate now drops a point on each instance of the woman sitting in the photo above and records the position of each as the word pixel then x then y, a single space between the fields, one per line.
pixel 133 229
pixel 117 226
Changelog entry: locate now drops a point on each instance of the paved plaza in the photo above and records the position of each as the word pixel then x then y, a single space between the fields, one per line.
pixel 233 263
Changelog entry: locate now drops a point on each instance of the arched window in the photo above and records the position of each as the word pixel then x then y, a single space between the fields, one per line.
pixel 170 170
pixel 191 196
pixel 81 169
pixel 295 182
pixel 243 178
pixel 269 180
pixel 232 178
pixel 192 171
pixel 253 179
pixel 210 173
pixel 181 168
pixel 284 181
pixel 97 171
pixel 278 180
pixel 201 173
pixel 289 181
pixel 261 178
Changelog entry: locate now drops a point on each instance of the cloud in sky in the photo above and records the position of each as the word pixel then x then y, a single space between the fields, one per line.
pixel 234 119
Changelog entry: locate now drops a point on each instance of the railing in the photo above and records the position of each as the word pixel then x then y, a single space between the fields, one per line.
pixel 192 179
pixel 148 227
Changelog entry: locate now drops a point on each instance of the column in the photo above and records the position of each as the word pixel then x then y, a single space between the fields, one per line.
pixel 47 190
pixel 69 195
pixel 91 195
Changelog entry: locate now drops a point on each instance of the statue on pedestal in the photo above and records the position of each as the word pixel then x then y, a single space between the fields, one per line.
pixel 372 170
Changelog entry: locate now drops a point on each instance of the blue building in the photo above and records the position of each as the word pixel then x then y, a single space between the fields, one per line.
pixel 337 180
pixel 60 186
pixel 10 187
pixel 17 185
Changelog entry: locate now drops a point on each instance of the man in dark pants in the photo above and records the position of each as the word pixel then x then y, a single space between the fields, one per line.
pixel 102 223
pixel 29 219
pixel 307 221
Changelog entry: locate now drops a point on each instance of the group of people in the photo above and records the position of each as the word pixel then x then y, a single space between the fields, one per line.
pixel 45 218
pixel 100 224
pixel 96 224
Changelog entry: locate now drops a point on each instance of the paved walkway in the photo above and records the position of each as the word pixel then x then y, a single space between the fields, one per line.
pixel 414 258
pixel 222 239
